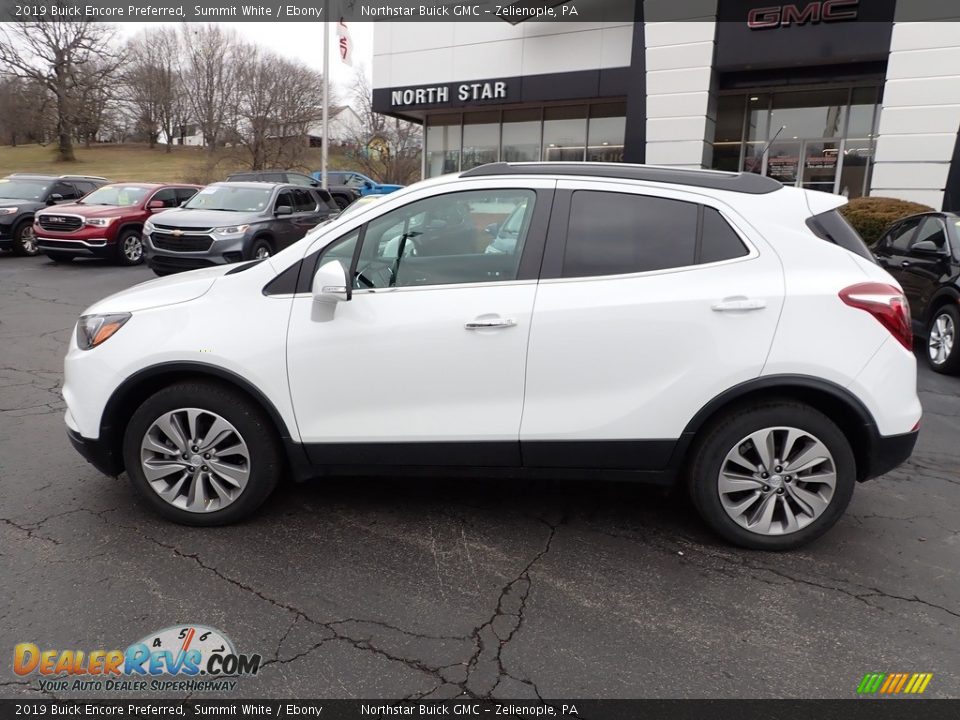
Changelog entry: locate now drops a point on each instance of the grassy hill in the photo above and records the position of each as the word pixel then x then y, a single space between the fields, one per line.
pixel 139 162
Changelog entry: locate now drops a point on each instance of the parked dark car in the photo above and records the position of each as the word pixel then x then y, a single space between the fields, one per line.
pixel 923 253
pixel 107 223
pixel 229 222
pixel 342 195
pixel 23 194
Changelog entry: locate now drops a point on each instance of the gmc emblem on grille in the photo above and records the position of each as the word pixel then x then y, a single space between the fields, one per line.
pixel 765 18
pixel 55 219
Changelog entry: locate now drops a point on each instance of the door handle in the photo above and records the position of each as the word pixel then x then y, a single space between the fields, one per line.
pixel 491 323
pixel 738 304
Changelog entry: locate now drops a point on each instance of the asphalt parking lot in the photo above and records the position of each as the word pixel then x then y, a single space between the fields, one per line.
pixel 389 589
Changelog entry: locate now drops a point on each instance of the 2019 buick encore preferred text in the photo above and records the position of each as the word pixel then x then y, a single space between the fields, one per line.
pixel 715 330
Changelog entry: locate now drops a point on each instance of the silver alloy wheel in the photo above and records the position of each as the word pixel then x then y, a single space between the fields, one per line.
pixel 777 481
pixel 943 334
pixel 262 252
pixel 28 240
pixel 133 248
pixel 195 460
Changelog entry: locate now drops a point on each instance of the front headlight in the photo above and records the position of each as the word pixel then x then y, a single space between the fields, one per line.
pixel 230 230
pixel 93 330
pixel 98 222
pixel 8 211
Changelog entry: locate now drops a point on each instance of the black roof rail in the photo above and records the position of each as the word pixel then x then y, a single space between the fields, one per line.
pixel 749 183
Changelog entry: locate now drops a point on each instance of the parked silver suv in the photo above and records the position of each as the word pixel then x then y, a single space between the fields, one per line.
pixel 232 221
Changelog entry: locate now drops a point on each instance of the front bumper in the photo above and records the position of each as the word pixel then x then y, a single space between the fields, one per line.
pixel 888 452
pixel 89 247
pixel 221 251
pixel 6 235
pixel 96 452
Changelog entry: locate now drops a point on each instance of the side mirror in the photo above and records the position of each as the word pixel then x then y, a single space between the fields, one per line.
pixel 367 184
pixel 155 205
pixel 926 247
pixel 55 198
pixel 283 210
pixel 492 229
pixel 330 284
pixel 184 203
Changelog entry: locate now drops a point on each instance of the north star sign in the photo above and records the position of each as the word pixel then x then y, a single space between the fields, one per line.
pixel 437 94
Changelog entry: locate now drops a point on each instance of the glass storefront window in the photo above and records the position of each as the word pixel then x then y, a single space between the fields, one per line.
pixel 606 132
pixel 521 135
pixel 442 153
pixel 564 133
pixel 481 138
pixel 819 139
pixel 809 113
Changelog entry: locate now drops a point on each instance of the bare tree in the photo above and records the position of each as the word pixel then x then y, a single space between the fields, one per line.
pixel 279 102
pixel 212 62
pixel 385 148
pixel 152 83
pixel 58 54
pixel 24 111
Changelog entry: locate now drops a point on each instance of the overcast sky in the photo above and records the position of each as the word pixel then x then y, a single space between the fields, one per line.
pixel 298 40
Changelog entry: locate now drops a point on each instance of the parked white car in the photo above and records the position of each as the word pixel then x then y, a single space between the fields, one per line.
pixel 671 326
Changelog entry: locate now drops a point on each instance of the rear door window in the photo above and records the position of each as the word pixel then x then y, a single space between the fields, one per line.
pixel 612 233
pixel 719 241
pixel 304 201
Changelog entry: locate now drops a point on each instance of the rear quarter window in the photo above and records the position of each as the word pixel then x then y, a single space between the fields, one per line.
pixel 833 227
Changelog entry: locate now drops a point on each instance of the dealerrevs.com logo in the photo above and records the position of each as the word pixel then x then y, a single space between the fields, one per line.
pixel 178 658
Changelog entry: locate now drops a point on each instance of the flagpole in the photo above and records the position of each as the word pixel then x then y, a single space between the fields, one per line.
pixel 326 103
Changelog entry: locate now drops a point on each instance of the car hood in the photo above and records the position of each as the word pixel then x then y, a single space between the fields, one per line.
pixel 169 290
pixel 9 202
pixel 182 217
pixel 90 210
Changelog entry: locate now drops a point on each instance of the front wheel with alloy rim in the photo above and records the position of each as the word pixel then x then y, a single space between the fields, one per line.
pixel 24 239
pixel 129 248
pixel 261 249
pixel 202 454
pixel 942 340
pixel 772 477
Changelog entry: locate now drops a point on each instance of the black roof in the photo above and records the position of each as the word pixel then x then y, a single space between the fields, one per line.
pixel 733 182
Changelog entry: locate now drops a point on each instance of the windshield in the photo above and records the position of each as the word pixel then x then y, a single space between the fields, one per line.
pixel 23 189
pixel 116 195
pixel 232 198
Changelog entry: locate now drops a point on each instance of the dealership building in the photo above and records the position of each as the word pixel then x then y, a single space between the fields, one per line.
pixel 858 97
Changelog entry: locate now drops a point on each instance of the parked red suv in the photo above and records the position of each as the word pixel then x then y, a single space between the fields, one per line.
pixel 107 223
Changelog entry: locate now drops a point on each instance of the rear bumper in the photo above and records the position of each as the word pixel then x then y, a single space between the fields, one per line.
pixel 888 452
pixel 96 452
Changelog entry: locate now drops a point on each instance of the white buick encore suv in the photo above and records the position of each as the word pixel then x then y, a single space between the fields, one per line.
pixel 546 319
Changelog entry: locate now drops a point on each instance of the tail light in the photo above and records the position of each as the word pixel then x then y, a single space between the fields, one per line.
pixel 887 304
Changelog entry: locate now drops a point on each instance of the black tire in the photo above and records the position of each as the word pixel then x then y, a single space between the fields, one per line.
pixel 129 248
pixel 59 257
pixel 950 365
pixel 727 432
pixel 258 246
pixel 24 241
pixel 252 424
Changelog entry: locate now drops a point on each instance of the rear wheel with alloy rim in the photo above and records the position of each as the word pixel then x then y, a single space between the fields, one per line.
pixel 202 454
pixel 130 248
pixel 942 340
pixel 772 477
pixel 24 239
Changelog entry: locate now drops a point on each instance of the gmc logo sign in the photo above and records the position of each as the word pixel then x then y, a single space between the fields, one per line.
pixel 765 18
